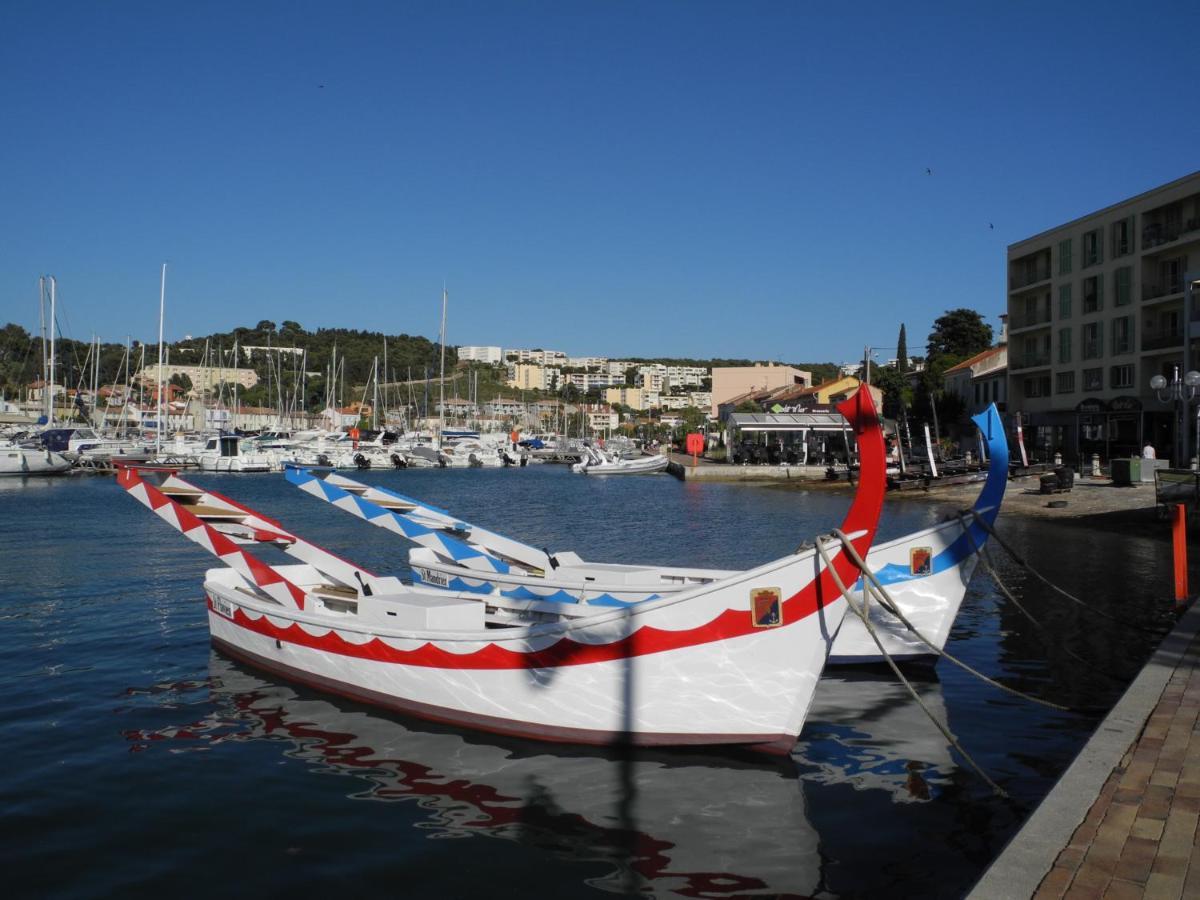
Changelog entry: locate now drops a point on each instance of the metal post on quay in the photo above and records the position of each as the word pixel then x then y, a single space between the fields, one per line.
pixel 1179 391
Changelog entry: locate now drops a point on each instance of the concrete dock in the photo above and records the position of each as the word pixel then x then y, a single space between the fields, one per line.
pixel 1122 820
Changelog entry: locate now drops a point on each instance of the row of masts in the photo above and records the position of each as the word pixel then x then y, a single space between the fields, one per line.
pixel 288 403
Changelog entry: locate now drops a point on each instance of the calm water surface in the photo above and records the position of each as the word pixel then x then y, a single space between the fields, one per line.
pixel 142 762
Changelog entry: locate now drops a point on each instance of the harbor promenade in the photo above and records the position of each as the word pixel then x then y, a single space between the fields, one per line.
pixel 1122 821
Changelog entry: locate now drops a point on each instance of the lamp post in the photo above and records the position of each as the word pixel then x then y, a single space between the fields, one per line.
pixel 1181 392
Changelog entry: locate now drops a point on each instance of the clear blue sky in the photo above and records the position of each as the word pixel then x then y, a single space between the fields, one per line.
pixel 614 178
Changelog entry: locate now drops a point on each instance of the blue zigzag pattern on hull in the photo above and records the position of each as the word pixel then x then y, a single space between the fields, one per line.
pixel 520 593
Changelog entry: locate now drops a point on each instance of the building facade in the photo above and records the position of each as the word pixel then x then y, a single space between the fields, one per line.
pixel 489 355
pixel 732 381
pixel 1096 309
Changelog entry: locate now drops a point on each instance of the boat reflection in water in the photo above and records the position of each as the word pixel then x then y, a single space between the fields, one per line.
pixel 681 823
pixel 669 824
pixel 865 730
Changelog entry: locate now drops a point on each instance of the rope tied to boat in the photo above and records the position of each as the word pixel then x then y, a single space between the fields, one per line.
pixel 861 611
pixel 1020 561
pixel 872 585
pixel 986 558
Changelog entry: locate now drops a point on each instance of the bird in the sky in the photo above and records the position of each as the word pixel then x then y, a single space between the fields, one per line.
pixel 929 171
pixel 990 225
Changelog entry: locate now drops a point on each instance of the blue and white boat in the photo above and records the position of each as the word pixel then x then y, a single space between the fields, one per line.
pixel 925 573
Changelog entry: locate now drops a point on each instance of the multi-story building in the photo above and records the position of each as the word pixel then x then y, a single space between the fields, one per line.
pixel 490 355
pixel 587 362
pixel 529 377
pixel 1096 309
pixel 632 397
pixel 585 381
pixel 686 376
pixel 203 378
pixel 536 357
pixel 732 381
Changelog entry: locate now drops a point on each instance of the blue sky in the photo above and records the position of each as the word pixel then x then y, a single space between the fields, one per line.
pixel 612 178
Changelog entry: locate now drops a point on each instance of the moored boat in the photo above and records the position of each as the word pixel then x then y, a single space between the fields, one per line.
pixel 926 572
pixel 733 662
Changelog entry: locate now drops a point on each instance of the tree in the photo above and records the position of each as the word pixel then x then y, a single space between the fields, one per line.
pixel 960 333
pixel 181 380
pixel 902 351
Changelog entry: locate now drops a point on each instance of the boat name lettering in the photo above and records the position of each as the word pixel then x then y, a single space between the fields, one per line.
pixel 434 578
pixel 222 608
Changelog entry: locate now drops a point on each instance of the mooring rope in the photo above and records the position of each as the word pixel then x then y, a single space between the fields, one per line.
pixel 986 558
pixel 885 600
pixel 861 612
pixel 1019 560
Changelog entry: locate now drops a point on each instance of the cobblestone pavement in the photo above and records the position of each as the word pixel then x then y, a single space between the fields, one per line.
pixel 1139 838
pixel 1122 821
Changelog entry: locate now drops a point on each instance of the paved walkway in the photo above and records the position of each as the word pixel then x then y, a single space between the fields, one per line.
pixel 1122 821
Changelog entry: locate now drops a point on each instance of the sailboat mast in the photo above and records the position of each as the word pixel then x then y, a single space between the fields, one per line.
pixel 53 328
pixel 442 374
pixel 162 303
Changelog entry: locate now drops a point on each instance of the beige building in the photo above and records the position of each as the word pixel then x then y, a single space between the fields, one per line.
pixel 632 397
pixel 1096 309
pixel 204 378
pixel 732 381
pixel 530 377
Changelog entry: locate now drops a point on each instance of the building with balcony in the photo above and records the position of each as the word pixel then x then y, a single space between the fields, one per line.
pixel 1095 309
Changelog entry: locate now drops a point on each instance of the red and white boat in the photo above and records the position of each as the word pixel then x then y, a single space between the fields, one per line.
pixel 926 573
pixel 732 662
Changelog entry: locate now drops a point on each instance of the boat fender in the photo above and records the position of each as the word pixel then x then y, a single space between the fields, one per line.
pixel 398 461
pixel 361 461
pixel 322 459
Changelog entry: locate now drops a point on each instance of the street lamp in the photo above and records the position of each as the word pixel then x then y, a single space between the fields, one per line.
pixel 1181 392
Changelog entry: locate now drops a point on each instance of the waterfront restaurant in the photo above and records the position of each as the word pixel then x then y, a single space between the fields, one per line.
pixel 818 437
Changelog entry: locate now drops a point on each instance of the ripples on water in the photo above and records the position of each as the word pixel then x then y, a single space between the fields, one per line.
pixel 141 761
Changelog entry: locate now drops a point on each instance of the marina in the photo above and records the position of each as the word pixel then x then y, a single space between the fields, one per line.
pixel 111 660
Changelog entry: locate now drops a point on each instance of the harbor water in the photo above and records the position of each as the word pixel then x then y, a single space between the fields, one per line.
pixel 142 762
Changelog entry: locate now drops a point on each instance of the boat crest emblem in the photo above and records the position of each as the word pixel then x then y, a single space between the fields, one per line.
pixel 920 560
pixel 766 607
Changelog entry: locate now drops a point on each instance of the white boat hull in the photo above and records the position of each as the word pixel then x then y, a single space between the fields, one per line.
pixel 32 461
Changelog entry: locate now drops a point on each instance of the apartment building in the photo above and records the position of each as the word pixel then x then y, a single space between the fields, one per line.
pixel 585 381
pixel 489 355
pixel 1096 309
pixel 632 397
pixel 587 362
pixel 529 377
pixel 536 357
pixel 203 378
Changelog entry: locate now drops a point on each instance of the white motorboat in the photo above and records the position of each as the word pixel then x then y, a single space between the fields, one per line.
pixel 16 459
